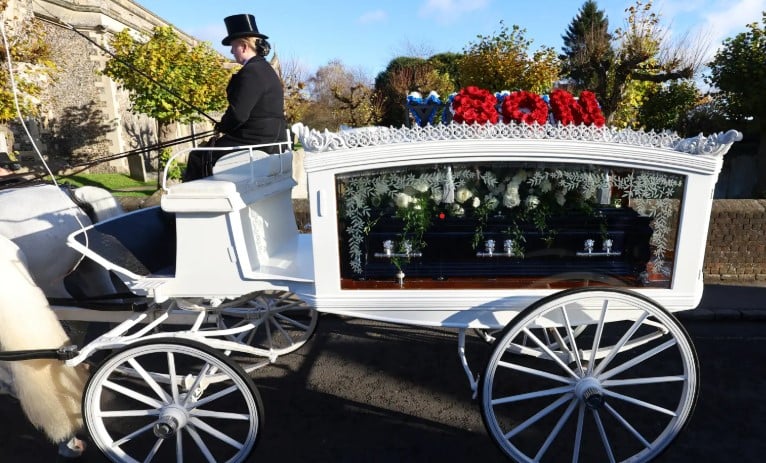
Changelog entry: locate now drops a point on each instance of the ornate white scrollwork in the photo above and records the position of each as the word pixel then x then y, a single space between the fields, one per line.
pixel 313 140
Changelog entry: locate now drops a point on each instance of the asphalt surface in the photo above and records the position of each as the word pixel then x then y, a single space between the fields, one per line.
pixel 375 392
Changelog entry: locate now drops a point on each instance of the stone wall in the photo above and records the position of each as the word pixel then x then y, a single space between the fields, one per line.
pixel 736 244
pixel 86 115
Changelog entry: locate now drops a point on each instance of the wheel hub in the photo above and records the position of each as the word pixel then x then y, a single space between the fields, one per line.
pixel 171 419
pixel 590 392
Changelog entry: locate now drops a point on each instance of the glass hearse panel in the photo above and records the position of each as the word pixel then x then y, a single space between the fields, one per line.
pixel 507 225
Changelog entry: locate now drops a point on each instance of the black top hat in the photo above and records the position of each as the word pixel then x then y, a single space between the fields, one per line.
pixel 240 25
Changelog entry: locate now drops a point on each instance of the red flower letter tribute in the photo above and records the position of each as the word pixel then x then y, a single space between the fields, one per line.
pixel 525 107
pixel 567 110
pixel 474 105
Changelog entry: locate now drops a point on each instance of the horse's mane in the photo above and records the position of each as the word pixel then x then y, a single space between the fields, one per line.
pixel 97 202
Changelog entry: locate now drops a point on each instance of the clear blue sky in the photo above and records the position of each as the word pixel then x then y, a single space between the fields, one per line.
pixel 367 34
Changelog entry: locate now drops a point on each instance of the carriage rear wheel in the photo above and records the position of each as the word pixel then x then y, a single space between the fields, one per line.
pixel 281 322
pixel 559 281
pixel 172 400
pixel 621 389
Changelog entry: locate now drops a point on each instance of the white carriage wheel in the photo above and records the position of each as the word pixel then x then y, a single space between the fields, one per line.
pixel 551 282
pixel 186 403
pixel 281 322
pixel 619 391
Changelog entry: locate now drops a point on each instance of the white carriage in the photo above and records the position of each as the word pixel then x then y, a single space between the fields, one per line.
pixel 568 248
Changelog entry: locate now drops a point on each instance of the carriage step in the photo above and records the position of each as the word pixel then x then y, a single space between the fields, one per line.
pixel 146 285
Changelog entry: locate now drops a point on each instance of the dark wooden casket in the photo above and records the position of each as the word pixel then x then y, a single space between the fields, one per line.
pixel 449 251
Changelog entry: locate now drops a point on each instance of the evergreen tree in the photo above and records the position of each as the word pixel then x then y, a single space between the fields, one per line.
pixel 588 51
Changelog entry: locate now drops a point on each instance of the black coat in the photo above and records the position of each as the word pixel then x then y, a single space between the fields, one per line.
pixel 256 106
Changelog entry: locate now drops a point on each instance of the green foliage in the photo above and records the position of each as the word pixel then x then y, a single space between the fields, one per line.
pixel 503 62
pixel 33 68
pixel 587 47
pixel 739 71
pixel 666 107
pixel 196 75
pixel 621 67
pixel 340 96
pixel 118 184
pixel 404 75
pixel 174 171
pixel 448 64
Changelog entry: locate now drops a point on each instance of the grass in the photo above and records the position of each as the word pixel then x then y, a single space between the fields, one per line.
pixel 117 184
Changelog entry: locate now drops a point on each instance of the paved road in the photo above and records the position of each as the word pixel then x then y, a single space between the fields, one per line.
pixel 372 392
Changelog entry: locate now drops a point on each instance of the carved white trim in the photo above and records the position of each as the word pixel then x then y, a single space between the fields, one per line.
pixel 315 141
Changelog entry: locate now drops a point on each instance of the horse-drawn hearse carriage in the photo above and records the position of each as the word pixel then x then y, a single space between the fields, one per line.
pixel 566 247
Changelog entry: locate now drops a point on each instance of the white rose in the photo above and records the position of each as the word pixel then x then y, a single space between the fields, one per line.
pixel 402 200
pixel 419 186
pixel 476 202
pixel 560 198
pixel 532 202
pixel 463 194
pixel 511 198
pixel 436 194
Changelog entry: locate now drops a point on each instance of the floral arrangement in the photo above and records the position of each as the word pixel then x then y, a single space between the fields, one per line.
pixel 515 194
pixel 476 105
pixel 524 107
pixel 568 110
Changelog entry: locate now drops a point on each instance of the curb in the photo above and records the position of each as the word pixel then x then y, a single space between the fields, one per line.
pixel 701 314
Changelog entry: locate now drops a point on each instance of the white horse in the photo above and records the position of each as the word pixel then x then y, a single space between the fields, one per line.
pixel 39 218
pixel 49 391
pixel 34 261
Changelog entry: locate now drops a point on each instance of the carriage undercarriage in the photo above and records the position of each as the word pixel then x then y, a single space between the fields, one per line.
pixel 585 365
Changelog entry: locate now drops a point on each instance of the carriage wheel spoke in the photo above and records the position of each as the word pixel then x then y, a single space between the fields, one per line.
pixel 550 353
pixel 572 342
pixel 150 401
pixel 200 444
pixel 638 381
pixel 149 380
pixel 153 451
pixel 578 433
pixel 202 426
pixel 597 337
pixel 132 435
pixel 627 426
pixel 539 415
pixel 604 438
pixel 210 398
pixel 556 430
pixel 533 395
pixel 636 360
pixel 535 372
pixel 621 343
pixel 291 321
pixel 640 403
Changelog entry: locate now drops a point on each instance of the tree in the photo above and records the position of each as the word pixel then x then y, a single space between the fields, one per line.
pixel 588 51
pixel 405 75
pixel 666 106
pixel 296 94
pixel 503 62
pixel 638 57
pixel 33 67
pixel 738 70
pixel 340 96
pixel 167 79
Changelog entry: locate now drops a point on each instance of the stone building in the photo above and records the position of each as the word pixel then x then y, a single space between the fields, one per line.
pixel 85 115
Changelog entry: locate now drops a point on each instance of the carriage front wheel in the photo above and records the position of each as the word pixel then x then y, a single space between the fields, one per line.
pixel 619 390
pixel 172 400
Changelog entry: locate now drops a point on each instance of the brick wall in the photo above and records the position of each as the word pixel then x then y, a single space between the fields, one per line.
pixel 736 244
